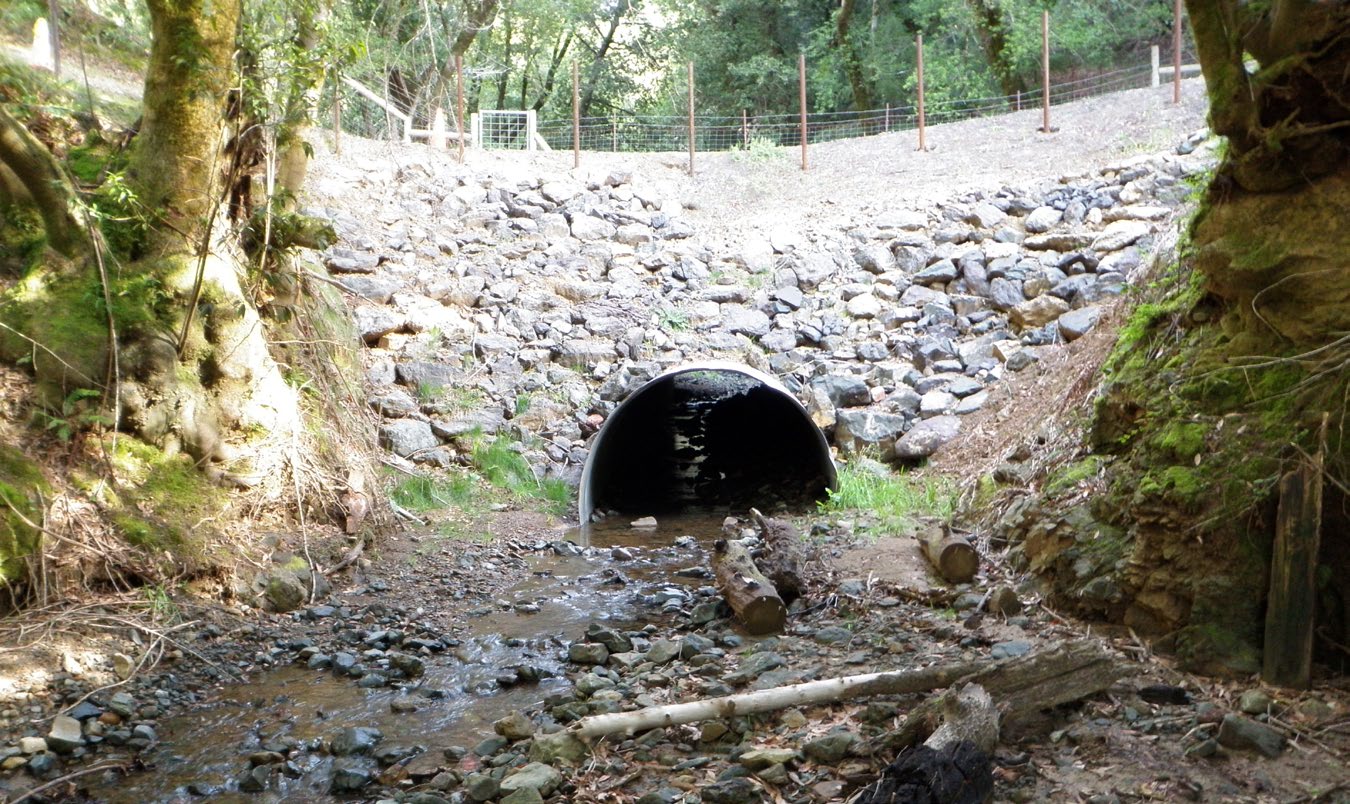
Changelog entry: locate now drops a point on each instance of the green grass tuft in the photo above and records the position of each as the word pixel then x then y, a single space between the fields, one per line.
pixel 421 493
pixel 894 498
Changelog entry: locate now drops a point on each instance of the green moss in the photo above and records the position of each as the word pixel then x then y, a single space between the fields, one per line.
pixel 1210 648
pixel 1068 477
pixel 21 481
pixel 22 239
pixel 1176 484
pixel 1181 441
pixel 167 504
pixel 85 162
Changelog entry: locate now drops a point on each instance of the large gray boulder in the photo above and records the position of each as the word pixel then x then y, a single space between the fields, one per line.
pixel 405 437
pixel 861 430
pixel 927 437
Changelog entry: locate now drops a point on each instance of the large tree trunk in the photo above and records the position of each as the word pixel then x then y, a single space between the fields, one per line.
pixel 843 40
pixel 1218 386
pixel 176 166
pixel 598 61
pixel 29 174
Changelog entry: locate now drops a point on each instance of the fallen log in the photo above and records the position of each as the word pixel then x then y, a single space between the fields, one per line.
pixel 781 558
pixel 1023 688
pixel 1050 673
pixel 750 594
pixel 952 556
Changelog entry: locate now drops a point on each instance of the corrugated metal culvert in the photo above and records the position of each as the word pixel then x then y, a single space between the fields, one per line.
pixel 708 436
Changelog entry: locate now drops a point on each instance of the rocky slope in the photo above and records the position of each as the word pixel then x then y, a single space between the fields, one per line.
pixel 522 302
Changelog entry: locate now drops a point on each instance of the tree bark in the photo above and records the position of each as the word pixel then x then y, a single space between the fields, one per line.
pixel 176 162
pixel 29 173
pixel 593 75
pixel 992 30
pixel 293 161
pixel 505 77
pixel 781 559
pixel 750 594
pixel 478 15
pixel 1057 675
pixel 843 41
pixel 952 556
pixel 559 53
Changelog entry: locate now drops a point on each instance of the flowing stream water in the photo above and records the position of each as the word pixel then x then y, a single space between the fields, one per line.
pixel 457 699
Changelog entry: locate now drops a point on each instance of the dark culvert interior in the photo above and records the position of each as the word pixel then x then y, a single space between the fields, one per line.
pixel 707 440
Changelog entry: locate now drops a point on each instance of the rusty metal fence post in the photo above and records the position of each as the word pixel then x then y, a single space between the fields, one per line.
pixel 459 103
pixel 918 44
pixel 691 118
pixel 576 119
pixel 801 88
pixel 1045 71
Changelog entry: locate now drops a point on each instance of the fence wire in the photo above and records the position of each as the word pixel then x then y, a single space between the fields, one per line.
pixel 631 133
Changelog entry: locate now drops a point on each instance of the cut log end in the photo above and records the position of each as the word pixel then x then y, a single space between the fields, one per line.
pixel 764 615
pixel 952 556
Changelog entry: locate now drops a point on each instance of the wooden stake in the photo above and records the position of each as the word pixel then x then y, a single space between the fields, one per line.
pixel 691 118
pixel 1176 52
pixel 576 118
pixel 801 90
pixel 918 44
pixel 1292 607
pixel 1045 71
pixel 459 104
pixel 745 129
pixel 886 121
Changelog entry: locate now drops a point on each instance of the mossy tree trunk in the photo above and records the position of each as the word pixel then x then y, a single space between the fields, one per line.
pixel 164 325
pixel 1273 242
pixel 177 163
pixel 1216 388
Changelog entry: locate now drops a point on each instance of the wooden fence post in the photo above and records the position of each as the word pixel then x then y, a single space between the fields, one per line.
pixel 1045 71
pixel 886 124
pixel 459 104
pixel 576 118
pixel 1287 651
pixel 1176 52
pixel 691 118
pixel 801 88
pixel 1153 62
pixel 918 44
pixel 745 130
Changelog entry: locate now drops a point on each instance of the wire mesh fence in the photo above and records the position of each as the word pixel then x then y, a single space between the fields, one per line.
pixel 721 133
pixel 364 116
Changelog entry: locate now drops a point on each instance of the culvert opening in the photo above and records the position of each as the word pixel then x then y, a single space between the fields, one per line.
pixel 707 437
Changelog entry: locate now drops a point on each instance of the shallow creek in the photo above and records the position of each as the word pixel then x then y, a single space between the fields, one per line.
pixel 204 751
